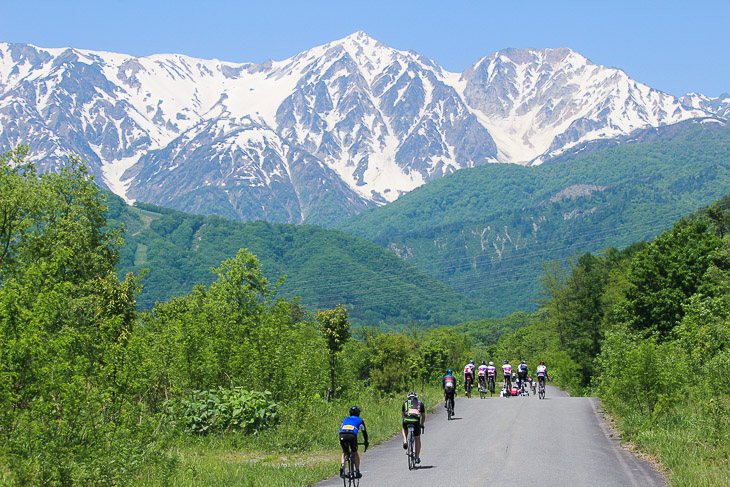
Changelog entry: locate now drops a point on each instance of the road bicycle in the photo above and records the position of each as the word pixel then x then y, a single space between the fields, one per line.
pixel 482 389
pixel 468 387
pixel 348 470
pixel 490 385
pixel 450 408
pixel 411 450
pixel 541 388
pixel 533 386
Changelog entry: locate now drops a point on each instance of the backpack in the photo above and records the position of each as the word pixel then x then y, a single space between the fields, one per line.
pixel 413 411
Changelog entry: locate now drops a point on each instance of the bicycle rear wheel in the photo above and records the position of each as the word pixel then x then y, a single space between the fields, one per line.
pixel 411 447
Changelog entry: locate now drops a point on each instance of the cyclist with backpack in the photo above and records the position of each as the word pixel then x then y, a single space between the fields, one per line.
pixel 522 375
pixel 348 439
pixel 448 383
pixel 414 413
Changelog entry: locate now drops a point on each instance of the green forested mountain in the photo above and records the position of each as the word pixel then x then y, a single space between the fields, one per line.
pixel 487 231
pixel 323 267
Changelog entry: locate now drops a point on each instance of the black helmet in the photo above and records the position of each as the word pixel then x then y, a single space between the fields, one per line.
pixel 354 411
pixel 522 362
pixel 506 361
pixel 471 362
pixel 484 362
pixel 412 394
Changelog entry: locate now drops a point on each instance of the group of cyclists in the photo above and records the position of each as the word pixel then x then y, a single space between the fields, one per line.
pixel 413 412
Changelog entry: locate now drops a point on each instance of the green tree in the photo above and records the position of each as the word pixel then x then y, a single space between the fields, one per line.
pixel 335 329
pixel 665 274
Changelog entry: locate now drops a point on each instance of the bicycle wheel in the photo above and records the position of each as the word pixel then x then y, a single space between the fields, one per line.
pixel 450 407
pixel 411 453
pixel 347 470
pixel 354 481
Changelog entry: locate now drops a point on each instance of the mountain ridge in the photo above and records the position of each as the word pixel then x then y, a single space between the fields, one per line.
pixel 360 123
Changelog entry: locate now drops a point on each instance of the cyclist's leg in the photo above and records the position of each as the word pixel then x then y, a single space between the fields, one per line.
pixel 356 457
pixel 417 436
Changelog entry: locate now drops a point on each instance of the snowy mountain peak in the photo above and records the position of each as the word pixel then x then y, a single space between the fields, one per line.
pixel 316 137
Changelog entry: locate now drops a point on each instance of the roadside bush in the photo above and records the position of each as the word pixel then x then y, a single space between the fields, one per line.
pixel 210 411
pixel 640 374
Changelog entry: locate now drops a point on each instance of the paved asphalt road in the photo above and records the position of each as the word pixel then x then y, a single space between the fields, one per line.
pixel 520 441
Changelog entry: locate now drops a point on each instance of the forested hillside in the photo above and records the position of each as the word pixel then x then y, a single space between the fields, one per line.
pixel 324 268
pixel 229 383
pixel 486 231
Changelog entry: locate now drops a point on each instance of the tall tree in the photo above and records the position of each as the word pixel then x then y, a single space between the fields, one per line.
pixel 334 326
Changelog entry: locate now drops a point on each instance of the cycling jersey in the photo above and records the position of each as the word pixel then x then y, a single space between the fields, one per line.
pixel 469 369
pixel 522 369
pixel 491 370
pixel 449 383
pixel 507 369
pixel 482 371
pixel 541 371
pixel 352 424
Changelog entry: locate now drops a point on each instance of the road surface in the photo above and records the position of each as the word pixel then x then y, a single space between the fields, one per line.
pixel 520 441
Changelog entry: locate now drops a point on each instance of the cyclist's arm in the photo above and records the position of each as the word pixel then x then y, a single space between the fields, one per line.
pixel 365 434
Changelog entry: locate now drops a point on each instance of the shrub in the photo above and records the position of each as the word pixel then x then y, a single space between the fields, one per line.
pixel 210 411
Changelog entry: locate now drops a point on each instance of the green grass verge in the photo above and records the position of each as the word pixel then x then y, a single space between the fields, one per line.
pixel 302 450
pixel 691 440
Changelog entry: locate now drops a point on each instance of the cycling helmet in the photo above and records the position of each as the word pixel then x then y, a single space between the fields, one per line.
pixel 471 362
pixel 542 363
pixel 354 411
pixel 412 394
pixel 448 372
pixel 506 361
pixel 484 362
pixel 523 362
pixel 491 363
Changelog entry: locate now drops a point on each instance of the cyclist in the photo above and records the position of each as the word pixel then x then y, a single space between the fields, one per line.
pixel 491 372
pixel 541 374
pixel 449 385
pixel 468 375
pixel 522 375
pixel 414 413
pixel 348 439
pixel 482 375
pixel 507 371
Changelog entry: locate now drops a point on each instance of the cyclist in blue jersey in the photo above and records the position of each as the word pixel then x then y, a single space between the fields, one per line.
pixel 348 439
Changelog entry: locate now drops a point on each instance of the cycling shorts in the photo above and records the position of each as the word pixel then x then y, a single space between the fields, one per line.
pixel 348 442
pixel 416 427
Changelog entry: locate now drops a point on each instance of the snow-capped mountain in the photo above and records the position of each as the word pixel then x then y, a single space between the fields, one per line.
pixel 314 138
pixel 720 105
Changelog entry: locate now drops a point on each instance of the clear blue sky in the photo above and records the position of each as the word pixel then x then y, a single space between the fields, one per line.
pixel 674 46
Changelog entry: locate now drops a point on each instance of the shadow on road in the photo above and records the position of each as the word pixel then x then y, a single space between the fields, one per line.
pixel 425 467
pixel 454 418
